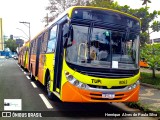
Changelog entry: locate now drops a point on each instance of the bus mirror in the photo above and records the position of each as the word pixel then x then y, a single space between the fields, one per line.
pixel 67 35
pixel 66 30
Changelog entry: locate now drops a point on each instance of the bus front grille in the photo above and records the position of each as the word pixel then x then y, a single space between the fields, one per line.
pixel 107 74
pixel 105 87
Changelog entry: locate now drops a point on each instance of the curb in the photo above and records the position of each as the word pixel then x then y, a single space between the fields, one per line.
pixel 148 85
pixel 142 107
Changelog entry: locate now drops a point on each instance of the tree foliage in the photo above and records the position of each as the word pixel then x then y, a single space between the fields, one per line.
pixel 145 2
pixel 142 13
pixel 11 44
pixel 151 53
pixel 101 3
pixel 56 7
pixel 155 26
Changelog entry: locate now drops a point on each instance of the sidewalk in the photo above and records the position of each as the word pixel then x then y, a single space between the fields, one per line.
pixel 147 70
pixel 150 98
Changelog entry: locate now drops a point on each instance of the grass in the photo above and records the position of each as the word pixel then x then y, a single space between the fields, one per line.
pixel 147 78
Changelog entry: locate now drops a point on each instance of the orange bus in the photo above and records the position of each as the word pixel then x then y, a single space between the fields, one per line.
pixel 88 54
pixel 143 63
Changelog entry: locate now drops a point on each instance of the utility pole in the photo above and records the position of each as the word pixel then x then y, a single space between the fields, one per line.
pixel 29 28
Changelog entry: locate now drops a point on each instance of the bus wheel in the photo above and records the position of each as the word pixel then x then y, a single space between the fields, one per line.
pixel 31 74
pixel 49 93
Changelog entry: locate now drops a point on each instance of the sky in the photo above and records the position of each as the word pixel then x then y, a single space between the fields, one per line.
pixel 14 11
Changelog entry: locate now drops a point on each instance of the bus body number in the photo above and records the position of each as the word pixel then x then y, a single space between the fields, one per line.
pixel 123 82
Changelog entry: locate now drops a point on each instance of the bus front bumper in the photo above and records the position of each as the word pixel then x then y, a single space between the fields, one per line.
pixel 71 93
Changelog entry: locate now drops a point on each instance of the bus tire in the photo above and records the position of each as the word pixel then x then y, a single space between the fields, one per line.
pixel 31 74
pixel 49 93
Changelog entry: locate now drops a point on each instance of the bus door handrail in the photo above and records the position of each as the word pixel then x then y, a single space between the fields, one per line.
pixel 79 50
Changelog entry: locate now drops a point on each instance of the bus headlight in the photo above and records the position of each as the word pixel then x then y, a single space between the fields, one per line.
pixel 75 82
pixel 133 85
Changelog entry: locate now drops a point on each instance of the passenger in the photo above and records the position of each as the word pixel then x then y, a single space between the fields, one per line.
pixel 93 53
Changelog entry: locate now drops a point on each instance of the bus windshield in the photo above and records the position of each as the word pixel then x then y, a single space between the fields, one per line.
pixel 103 48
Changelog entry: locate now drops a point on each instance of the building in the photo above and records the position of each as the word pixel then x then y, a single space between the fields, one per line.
pixel 19 42
pixel 156 40
pixel 1 36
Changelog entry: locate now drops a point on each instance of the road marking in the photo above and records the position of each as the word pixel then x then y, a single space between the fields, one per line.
pixel 48 105
pixel 28 77
pixel 34 85
pixel 18 65
pixel 25 73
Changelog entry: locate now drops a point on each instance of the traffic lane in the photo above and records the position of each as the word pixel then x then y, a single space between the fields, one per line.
pixel 2 61
pixel 15 85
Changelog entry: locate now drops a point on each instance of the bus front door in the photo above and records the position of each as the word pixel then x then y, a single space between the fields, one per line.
pixel 37 55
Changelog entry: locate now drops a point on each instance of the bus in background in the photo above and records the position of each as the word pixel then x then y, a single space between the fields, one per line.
pixel 143 63
pixel 23 57
pixel 20 54
pixel 88 54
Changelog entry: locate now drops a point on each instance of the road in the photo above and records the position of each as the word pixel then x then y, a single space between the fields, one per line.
pixel 16 84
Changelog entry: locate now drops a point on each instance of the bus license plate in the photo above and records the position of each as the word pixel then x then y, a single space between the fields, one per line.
pixel 108 95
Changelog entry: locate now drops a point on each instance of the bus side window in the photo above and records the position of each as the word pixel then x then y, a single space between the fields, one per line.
pixel 52 40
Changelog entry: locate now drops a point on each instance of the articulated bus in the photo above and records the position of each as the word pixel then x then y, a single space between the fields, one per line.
pixel 23 57
pixel 88 54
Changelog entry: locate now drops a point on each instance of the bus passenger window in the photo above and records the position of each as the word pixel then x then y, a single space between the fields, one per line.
pixel 52 41
pixel 51 46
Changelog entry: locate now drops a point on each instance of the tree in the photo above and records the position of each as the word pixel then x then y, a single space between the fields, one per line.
pixel 101 3
pixel 141 13
pixel 155 26
pixel 145 2
pixel 151 53
pixel 56 7
pixel 146 19
pixel 11 44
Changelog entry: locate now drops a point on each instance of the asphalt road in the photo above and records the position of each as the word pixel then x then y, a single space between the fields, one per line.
pixel 16 84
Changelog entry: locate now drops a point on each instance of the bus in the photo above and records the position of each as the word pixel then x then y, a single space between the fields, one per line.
pixel 143 63
pixel 23 56
pixel 88 54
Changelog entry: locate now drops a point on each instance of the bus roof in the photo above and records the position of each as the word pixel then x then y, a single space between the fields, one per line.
pixel 69 11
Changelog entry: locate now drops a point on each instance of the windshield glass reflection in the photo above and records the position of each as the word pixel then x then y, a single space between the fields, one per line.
pixel 105 48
